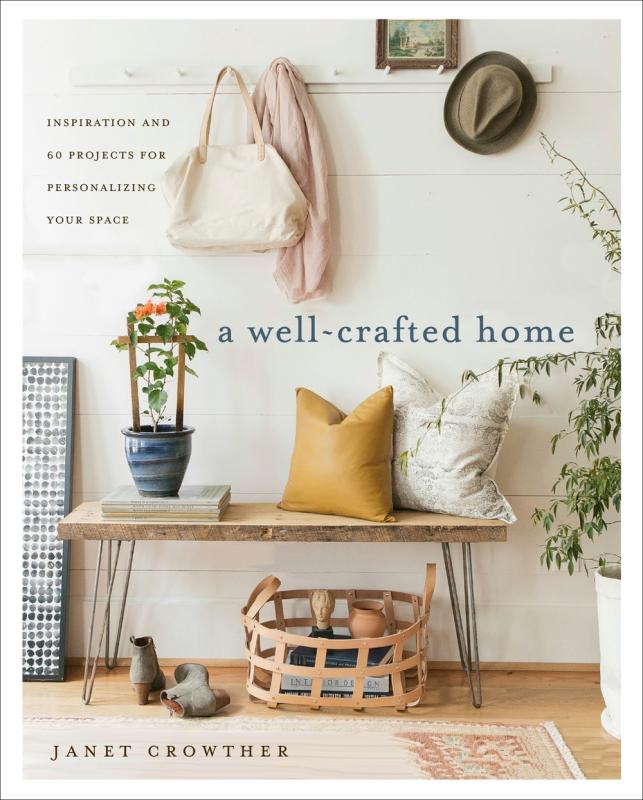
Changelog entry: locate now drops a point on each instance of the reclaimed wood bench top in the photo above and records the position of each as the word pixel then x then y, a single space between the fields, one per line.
pixel 244 522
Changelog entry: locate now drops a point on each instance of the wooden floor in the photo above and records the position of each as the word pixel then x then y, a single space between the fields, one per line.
pixel 571 699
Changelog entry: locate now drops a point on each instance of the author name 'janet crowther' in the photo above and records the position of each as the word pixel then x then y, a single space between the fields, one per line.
pixel 61 752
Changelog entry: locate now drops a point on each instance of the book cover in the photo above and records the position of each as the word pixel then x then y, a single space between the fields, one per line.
pixel 190 498
pixel 371 684
pixel 462 248
pixel 187 514
pixel 303 656
pixel 303 693
pixel 160 517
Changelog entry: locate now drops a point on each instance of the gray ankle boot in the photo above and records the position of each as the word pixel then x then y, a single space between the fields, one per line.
pixel 145 673
pixel 192 695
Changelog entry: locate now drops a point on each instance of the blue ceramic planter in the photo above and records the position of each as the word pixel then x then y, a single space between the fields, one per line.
pixel 158 459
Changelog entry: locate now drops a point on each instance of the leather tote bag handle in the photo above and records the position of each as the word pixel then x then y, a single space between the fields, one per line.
pixel 207 117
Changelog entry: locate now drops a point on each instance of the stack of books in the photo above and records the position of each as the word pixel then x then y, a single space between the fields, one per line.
pixel 338 687
pixel 192 504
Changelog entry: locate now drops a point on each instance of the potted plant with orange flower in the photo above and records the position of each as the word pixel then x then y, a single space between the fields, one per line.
pixel 159 344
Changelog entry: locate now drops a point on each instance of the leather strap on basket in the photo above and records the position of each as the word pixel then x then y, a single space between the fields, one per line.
pixel 429 588
pixel 260 595
pixel 204 136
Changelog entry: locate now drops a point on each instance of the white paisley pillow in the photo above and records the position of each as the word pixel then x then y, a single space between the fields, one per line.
pixel 451 473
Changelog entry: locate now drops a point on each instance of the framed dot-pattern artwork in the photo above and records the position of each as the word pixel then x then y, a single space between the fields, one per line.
pixel 47 441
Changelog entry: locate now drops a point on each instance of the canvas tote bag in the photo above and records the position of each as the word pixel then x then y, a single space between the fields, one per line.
pixel 233 198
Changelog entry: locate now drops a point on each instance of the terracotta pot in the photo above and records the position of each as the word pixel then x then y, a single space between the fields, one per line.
pixel 366 620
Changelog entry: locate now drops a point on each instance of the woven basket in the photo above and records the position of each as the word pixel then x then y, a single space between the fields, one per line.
pixel 268 643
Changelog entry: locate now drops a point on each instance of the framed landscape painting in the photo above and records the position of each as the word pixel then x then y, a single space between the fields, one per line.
pixel 417 43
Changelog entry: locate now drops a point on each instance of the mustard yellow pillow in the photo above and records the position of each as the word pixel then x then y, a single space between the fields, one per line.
pixel 341 464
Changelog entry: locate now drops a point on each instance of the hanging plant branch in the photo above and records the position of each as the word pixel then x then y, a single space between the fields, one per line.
pixel 590 492
pixel 589 202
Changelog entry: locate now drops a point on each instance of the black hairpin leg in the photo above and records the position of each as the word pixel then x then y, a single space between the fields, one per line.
pixel 89 676
pixel 467 634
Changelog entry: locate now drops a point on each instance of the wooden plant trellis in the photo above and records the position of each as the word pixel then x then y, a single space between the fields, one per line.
pixel 180 377
pixel 267 665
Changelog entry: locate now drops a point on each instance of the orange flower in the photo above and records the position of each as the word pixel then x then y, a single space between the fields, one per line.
pixel 161 308
pixel 144 310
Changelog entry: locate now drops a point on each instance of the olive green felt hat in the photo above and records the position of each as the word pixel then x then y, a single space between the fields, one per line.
pixel 490 103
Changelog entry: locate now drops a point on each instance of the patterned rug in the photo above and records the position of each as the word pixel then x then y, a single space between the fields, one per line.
pixel 293 747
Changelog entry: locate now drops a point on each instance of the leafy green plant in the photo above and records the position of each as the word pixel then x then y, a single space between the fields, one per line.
pixel 159 360
pixel 587 490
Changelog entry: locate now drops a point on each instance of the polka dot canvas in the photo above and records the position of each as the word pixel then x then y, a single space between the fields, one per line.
pixel 47 392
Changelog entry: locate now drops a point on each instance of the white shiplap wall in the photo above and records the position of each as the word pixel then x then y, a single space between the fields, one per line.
pixel 421 227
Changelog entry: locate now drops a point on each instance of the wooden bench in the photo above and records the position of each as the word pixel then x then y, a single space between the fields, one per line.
pixel 264 522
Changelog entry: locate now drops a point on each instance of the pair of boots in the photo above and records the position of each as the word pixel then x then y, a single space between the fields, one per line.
pixel 192 695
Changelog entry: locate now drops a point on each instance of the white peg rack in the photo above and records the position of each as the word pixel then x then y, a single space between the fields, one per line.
pixel 204 75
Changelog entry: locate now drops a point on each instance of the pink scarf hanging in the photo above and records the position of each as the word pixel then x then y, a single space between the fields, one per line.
pixel 289 123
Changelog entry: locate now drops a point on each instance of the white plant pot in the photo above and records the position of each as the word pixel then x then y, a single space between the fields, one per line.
pixel 608 594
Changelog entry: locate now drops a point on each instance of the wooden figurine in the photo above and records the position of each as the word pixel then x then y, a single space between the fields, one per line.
pixel 322 602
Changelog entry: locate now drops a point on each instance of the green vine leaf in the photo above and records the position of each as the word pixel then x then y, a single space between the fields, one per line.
pixel 157 399
pixel 165 332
